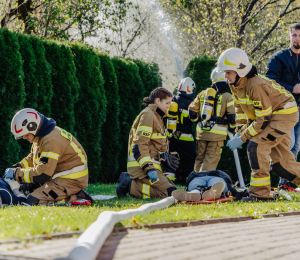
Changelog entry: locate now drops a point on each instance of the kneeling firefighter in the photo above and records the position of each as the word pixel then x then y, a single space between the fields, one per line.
pixel 181 138
pixel 271 112
pixel 148 156
pixel 213 110
pixel 56 168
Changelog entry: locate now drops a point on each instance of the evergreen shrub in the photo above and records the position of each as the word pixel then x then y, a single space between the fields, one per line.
pixel 12 95
pixel 90 109
pixel 131 92
pixel 111 128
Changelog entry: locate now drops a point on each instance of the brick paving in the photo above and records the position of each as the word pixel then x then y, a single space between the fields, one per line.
pixel 269 238
pixel 273 238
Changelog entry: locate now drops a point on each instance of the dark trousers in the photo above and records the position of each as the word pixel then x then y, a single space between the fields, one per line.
pixel 187 153
pixel 7 195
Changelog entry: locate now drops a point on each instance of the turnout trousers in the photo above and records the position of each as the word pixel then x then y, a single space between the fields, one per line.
pixel 144 188
pixel 187 154
pixel 55 190
pixel 275 144
pixel 208 155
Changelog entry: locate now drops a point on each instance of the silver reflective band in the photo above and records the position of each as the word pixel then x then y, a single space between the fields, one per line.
pixel 184 111
pixel 73 170
pixel 157 162
pixel 186 135
pixel 290 104
pixel 130 158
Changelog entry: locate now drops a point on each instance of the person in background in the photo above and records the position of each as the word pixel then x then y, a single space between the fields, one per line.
pixel 284 68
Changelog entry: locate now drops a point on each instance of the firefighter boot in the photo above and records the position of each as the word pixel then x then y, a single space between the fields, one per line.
pixel 124 185
pixel 84 195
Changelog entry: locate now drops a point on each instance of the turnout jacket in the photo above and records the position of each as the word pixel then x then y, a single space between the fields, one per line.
pixel 55 155
pixel 260 101
pixel 147 138
pixel 184 123
pixel 224 109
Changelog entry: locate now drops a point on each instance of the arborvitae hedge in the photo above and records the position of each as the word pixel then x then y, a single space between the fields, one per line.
pixel 12 95
pixel 199 69
pixel 65 85
pixel 111 128
pixel 43 77
pixel 149 73
pixel 30 80
pixel 131 92
pixel 90 109
pixel 80 98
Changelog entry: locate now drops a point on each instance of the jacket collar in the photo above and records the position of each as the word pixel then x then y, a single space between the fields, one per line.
pixel 242 84
pixel 36 139
pixel 156 109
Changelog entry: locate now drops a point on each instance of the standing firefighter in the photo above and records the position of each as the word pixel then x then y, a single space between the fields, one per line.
pixel 267 113
pixel 213 109
pixel 182 140
pixel 148 152
pixel 56 168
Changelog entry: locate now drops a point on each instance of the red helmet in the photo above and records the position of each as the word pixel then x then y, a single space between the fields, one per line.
pixel 24 122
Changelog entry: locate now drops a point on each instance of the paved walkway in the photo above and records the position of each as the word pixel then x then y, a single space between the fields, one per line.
pixel 273 238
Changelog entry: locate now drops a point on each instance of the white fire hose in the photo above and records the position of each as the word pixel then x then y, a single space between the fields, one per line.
pixel 90 242
pixel 238 164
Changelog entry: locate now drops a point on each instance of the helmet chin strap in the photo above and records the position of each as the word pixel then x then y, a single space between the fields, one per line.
pixel 237 78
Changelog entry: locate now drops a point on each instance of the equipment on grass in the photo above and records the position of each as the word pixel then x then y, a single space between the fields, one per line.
pixel 172 118
pixel 238 165
pixel 221 200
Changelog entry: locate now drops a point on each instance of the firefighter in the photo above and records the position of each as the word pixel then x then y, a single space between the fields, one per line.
pixel 212 132
pixel 265 114
pixel 148 156
pixel 56 168
pixel 182 140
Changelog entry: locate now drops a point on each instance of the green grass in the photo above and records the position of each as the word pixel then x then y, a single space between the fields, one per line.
pixel 19 222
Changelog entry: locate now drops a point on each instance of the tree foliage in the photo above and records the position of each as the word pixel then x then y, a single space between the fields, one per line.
pixel 211 26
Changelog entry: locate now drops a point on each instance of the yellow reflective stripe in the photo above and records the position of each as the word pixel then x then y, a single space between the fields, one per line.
pixel 229 104
pixel 243 100
pixel 36 160
pixel 146 191
pixel 232 126
pixel 158 136
pixel 186 138
pixel 215 131
pixel 277 87
pixel 136 164
pixel 75 175
pixel 26 176
pixel 249 102
pixel 145 128
pixel 235 99
pixel 241 117
pixel 260 181
pixel 219 109
pixel 286 111
pixel 145 159
pixel 25 163
pixel 50 155
pixel 263 112
pixel 79 152
pixel 252 131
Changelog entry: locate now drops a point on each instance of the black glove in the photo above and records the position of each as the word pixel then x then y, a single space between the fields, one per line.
pixel 170 160
pixel 28 187
pixel 17 165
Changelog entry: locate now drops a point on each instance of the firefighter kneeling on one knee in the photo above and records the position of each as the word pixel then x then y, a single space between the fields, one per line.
pixel 56 168
pixel 272 112
pixel 181 132
pixel 213 110
pixel 148 158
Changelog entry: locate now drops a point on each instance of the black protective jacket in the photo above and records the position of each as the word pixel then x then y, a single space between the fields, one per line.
pixel 284 68
pixel 184 124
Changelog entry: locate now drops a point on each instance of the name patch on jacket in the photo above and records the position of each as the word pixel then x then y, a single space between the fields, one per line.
pixel 146 134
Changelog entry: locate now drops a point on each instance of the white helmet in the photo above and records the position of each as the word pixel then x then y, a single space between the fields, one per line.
pixel 187 85
pixel 234 59
pixel 24 122
pixel 217 76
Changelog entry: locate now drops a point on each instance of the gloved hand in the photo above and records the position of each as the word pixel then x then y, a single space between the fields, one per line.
pixel 171 160
pixel 152 174
pixel 234 143
pixel 9 173
pixel 237 134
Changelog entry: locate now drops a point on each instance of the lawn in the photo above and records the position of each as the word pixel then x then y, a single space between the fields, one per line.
pixel 19 222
